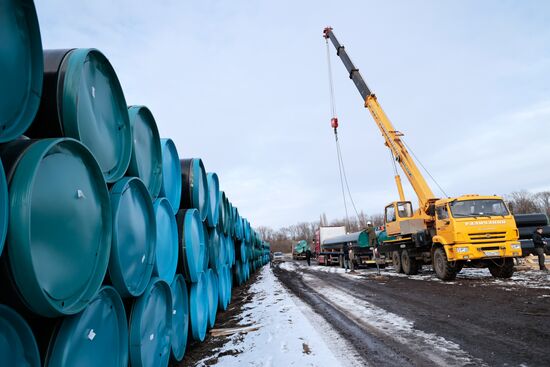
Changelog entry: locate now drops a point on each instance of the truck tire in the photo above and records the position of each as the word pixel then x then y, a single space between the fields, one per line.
pixel 408 263
pixel 396 259
pixel 443 268
pixel 505 270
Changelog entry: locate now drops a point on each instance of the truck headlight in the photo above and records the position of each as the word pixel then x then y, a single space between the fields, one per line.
pixel 462 249
pixel 515 246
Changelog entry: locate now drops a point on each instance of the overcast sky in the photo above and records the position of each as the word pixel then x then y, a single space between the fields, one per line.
pixel 243 85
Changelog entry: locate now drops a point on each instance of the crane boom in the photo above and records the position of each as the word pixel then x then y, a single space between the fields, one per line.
pixel 390 134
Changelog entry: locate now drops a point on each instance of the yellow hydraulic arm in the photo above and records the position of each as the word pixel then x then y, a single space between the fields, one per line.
pixel 391 136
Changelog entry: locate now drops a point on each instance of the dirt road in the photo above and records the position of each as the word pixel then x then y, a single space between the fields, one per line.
pixel 394 320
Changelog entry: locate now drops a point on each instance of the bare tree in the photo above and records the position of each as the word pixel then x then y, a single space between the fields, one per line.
pixel 266 233
pixel 543 200
pixel 377 220
pixel 522 202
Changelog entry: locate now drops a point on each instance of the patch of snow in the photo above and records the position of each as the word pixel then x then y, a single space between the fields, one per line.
pixel 288 265
pixel 358 273
pixel 286 337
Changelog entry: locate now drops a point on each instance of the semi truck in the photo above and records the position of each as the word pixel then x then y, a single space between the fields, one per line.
pixel 299 250
pixel 327 256
pixel 448 233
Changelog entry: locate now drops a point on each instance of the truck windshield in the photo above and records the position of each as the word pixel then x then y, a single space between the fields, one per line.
pixel 478 208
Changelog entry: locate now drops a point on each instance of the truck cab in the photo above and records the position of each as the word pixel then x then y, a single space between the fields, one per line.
pixel 476 227
pixel 400 219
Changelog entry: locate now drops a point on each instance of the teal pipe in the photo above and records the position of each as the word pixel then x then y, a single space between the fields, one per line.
pixel 97 336
pixel 59 202
pixel 146 158
pixel 134 237
pixel 151 326
pixel 21 67
pixel 18 346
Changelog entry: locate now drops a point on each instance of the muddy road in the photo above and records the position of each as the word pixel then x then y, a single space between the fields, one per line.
pixel 394 320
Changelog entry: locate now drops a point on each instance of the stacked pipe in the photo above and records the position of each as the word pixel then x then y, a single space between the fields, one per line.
pixel 527 224
pixel 113 249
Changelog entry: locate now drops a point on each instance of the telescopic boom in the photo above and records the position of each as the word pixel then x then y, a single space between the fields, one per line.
pixel 390 134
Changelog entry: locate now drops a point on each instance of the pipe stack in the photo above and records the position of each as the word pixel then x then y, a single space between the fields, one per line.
pixel 114 249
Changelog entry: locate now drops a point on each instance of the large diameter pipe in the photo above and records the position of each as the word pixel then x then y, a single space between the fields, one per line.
pixel 60 228
pixel 146 158
pixel 192 241
pixel 151 326
pixel 194 187
pixel 18 345
pixel 21 67
pixel 180 317
pixel 98 336
pixel 198 306
pixel 134 237
pixel 171 174
pixel 83 99
pixel 167 247
pixel 213 213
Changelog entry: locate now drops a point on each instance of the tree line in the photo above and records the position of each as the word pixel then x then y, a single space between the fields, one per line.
pixel 282 239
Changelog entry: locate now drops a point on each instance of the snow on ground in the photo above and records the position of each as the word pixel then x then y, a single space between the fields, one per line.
pixel 286 336
pixel 292 266
pixel 439 350
pixel 291 334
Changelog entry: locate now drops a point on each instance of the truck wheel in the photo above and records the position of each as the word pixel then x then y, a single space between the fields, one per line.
pixel 505 270
pixel 396 259
pixel 443 268
pixel 408 263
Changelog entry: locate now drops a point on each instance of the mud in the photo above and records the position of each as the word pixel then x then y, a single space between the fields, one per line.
pixel 496 325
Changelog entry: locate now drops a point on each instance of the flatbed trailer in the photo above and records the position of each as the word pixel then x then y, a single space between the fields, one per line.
pixel 329 257
pixel 364 255
pixel 298 256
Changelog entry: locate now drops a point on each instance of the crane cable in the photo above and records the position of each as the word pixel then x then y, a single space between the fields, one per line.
pixel 346 181
pixel 425 169
pixel 341 168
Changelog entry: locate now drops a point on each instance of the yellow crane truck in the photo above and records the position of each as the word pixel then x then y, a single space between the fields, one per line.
pixel 449 233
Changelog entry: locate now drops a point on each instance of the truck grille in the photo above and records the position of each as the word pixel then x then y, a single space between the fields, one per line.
pixel 487 236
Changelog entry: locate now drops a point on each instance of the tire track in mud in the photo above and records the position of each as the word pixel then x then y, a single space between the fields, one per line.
pixel 480 320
